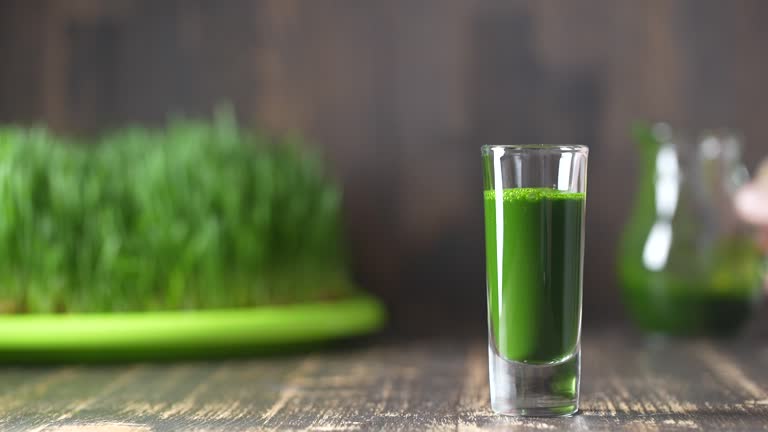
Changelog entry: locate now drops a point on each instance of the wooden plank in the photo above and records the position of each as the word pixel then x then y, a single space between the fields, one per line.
pixel 628 384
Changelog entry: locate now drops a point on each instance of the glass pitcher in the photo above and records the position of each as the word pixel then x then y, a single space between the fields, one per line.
pixel 687 264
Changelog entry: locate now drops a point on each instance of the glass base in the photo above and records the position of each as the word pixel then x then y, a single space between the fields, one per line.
pixel 536 390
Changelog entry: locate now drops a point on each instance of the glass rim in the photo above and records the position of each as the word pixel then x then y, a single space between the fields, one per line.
pixel 561 148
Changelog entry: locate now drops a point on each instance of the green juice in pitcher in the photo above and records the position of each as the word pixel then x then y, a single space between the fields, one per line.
pixel 700 292
pixel 687 265
pixel 533 247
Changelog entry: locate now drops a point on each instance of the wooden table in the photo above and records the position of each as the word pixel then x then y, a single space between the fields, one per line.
pixel 386 385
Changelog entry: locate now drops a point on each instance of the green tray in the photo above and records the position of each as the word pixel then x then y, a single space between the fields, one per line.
pixel 171 335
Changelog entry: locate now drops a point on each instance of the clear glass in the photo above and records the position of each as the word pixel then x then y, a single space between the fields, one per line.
pixel 534 197
pixel 688 266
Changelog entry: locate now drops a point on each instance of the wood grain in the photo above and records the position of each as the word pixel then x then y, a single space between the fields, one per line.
pixel 431 385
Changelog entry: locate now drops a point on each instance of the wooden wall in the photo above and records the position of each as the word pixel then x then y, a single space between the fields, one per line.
pixel 400 94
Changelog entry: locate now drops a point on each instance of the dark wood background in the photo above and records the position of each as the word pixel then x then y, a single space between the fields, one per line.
pixel 400 94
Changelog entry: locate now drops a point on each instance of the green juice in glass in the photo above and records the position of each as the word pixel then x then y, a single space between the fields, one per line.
pixel 533 247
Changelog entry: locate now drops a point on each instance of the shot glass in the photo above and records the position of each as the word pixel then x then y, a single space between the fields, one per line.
pixel 534 199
